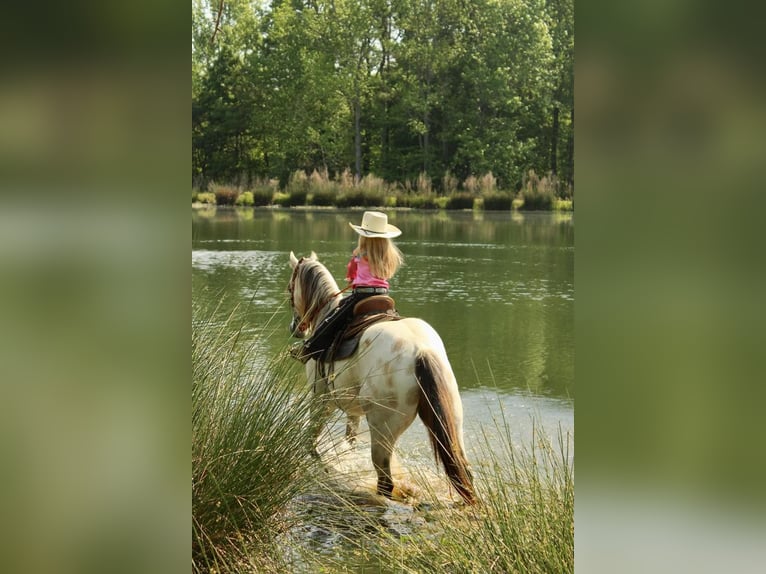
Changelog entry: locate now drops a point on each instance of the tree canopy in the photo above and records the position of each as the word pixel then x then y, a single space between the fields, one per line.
pixel 395 88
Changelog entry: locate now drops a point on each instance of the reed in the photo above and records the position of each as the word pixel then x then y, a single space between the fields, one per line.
pixel 251 429
pixel 256 490
pixel 524 521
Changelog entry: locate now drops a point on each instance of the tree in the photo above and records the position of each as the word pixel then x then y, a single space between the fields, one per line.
pixel 561 22
pixel 396 87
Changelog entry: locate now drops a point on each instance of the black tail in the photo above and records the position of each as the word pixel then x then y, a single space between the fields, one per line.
pixel 435 408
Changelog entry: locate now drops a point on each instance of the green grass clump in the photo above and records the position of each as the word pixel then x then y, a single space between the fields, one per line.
pixel 524 521
pixel 251 432
pixel 263 194
pixel 225 194
pixel 323 197
pixel 206 197
pixel 417 201
pixel 245 198
pixel 358 197
pixel 563 205
pixel 498 201
pixel 538 193
pixel 461 200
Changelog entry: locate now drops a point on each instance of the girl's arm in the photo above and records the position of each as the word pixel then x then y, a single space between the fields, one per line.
pixel 351 268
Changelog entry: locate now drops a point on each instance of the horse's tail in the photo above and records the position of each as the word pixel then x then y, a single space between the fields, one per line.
pixel 436 409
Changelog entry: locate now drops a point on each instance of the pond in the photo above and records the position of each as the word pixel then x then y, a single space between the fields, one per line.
pixel 498 287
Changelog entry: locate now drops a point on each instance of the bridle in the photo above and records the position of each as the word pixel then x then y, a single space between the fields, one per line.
pixel 305 321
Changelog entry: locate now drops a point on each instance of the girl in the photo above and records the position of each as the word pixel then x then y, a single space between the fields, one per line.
pixel 374 261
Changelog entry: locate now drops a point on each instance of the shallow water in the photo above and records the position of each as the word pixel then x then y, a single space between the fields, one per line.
pixel 499 289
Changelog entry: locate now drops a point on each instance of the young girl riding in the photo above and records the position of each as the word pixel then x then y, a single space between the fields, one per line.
pixel 374 261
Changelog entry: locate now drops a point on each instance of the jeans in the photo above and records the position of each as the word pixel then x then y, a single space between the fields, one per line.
pixel 333 324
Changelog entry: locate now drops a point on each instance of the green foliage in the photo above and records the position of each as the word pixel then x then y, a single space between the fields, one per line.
pixel 497 201
pixel 538 193
pixel 245 198
pixel 224 194
pixel 417 201
pixel 263 194
pixel 563 205
pixel 460 201
pixel 322 191
pixel 206 197
pixel 281 199
pixel 297 189
pixel 248 428
pixel 525 522
pixel 398 89
pixel 323 197
pixel 360 198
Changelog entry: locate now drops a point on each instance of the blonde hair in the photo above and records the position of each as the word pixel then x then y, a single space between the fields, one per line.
pixel 382 255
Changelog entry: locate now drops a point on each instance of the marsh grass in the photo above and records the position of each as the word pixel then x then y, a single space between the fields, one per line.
pixel 523 523
pixel 251 427
pixel 497 201
pixel 539 193
pixel 261 503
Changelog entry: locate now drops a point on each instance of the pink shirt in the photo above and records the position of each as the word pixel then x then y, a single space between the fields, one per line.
pixel 358 272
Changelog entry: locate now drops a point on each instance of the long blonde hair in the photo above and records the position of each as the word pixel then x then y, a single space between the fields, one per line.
pixel 382 255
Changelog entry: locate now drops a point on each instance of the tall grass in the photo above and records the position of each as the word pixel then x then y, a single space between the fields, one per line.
pixel 251 471
pixel 297 188
pixel 524 521
pixel 225 194
pixel 251 431
pixel 497 201
pixel 538 192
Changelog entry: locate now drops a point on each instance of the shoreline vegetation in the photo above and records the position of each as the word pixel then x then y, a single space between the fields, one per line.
pixel 318 190
pixel 255 501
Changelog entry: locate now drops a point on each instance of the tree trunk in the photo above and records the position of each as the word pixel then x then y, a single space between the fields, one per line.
pixel 357 138
pixel 555 140
pixel 570 150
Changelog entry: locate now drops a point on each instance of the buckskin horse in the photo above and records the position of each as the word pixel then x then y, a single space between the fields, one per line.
pixel 398 370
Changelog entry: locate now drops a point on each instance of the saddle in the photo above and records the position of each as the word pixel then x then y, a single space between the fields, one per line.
pixel 367 312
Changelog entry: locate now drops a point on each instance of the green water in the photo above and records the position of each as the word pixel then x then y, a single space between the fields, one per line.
pixel 499 288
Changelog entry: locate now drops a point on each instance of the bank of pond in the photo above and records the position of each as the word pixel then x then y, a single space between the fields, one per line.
pixel 262 503
pixel 536 194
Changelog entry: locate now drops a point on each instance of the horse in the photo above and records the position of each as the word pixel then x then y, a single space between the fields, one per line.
pixel 399 370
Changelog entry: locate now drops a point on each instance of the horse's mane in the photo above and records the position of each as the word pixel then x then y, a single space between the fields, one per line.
pixel 318 286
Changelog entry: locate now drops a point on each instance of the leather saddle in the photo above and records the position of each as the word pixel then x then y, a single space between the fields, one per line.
pixel 367 312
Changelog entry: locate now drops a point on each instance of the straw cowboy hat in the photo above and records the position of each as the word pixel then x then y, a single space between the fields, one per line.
pixel 375 224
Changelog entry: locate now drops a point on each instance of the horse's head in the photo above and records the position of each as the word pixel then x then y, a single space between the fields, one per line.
pixel 313 293
pixel 298 326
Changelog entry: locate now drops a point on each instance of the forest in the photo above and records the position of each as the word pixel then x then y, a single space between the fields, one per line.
pixel 433 93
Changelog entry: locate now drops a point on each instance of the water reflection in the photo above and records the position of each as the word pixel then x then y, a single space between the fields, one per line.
pixel 498 287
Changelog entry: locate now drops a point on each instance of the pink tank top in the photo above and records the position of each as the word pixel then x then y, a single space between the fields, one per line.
pixel 361 276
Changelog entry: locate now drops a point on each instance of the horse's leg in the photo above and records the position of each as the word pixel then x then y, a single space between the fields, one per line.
pixel 382 449
pixel 386 426
pixel 352 428
pixel 321 407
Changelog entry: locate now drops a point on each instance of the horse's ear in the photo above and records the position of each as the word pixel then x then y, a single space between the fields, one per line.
pixel 313 256
pixel 293 260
